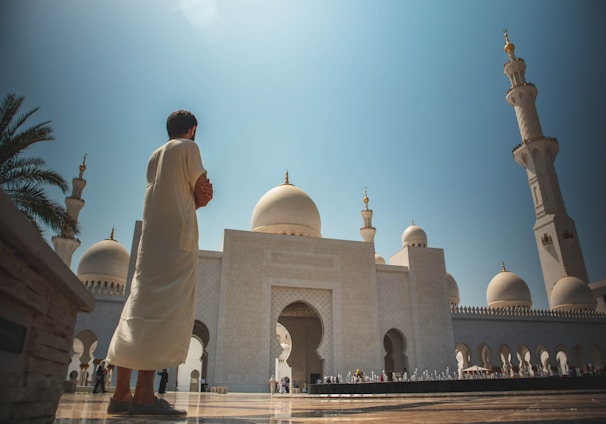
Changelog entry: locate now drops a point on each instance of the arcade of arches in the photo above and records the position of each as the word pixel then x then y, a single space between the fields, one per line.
pixel 299 332
pixel 524 361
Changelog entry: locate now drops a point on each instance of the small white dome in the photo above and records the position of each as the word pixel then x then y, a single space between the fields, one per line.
pixel 414 236
pixel 572 294
pixel 453 290
pixel 508 290
pixel 379 259
pixel 286 209
pixel 104 262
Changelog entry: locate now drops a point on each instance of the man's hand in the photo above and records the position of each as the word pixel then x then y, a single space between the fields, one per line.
pixel 203 192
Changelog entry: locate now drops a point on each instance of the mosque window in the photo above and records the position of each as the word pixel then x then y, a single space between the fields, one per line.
pixel 567 235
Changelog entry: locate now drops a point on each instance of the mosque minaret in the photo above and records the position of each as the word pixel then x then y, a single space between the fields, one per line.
pixel 555 232
pixel 66 243
pixel 368 231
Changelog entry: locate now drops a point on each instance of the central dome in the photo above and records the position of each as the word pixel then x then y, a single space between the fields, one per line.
pixel 508 290
pixel 104 266
pixel 286 209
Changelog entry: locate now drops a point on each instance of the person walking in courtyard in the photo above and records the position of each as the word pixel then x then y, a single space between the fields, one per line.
pixel 100 378
pixel 155 327
pixel 163 380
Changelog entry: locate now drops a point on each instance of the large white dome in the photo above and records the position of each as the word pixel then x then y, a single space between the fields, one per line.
pixel 104 265
pixel 286 209
pixel 414 236
pixel 508 290
pixel 572 294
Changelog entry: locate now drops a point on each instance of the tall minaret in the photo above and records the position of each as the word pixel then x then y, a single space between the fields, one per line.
pixel 66 244
pixel 368 231
pixel 555 232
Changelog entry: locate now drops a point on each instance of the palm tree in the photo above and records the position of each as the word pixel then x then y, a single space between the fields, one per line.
pixel 22 178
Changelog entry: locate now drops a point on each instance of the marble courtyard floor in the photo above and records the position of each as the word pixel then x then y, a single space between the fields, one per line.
pixel 236 408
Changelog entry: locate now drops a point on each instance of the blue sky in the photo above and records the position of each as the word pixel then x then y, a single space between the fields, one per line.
pixel 404 98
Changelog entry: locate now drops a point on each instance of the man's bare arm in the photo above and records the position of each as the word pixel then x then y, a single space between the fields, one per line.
pixel 203 192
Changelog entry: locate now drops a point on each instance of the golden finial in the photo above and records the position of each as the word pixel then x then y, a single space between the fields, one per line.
pixel 509 46
pixel 111 236
pixel 413 222
pixel 503 266
pixel 286 181
pixel 365 198
pixel 83 166
pixel 565 272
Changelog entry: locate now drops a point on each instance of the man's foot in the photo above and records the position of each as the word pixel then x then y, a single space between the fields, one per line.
pixel 159 407
pixel 118 406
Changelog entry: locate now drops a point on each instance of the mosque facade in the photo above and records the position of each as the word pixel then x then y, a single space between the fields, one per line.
pixel 282 301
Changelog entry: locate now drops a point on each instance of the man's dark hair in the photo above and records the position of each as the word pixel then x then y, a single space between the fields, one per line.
pixel 179 122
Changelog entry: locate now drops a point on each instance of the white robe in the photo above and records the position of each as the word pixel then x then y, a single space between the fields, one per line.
pixel 157 320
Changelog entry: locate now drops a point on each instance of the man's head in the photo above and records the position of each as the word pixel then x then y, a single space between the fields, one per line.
pixel 180 123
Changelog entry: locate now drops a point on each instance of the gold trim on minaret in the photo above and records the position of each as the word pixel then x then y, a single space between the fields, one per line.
pixel 365 199
pixel 83 166
pixel 509 46
pixel 503 266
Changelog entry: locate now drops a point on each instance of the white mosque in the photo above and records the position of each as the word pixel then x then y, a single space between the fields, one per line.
pixel 280 301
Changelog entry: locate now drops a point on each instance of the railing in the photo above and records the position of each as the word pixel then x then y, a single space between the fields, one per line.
pixel 525 312
pixel 104 288
pixel 526 84
pixel 532 140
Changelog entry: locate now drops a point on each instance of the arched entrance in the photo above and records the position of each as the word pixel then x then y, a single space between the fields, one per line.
pixel 195 368
pixel 525 358
pixel 83 346
pixel 579 358
pixel 485 356
pixel 188 373
pixel 302 325
pixel 506 365
pixel 395 359
pixel 543 355
pixel 562 360
pixel 596 359
pixel 463 356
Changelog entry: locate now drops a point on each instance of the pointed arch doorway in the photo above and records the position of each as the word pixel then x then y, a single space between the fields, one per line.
pixel 189 374
pixel 395 359
pixel 299 332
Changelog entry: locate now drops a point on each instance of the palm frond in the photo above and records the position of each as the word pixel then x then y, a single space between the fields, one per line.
pixel 13 143
pixel 23 171
pixel 23 178
pixel 8 109
pixel 33 202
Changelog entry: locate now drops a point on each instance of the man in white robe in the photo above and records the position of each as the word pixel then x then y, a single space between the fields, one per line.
pixel 157 320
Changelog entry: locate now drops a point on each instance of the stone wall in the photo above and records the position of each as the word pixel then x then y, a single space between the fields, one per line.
pixel 39 300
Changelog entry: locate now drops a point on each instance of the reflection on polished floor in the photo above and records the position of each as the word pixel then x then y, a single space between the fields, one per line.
pixel 234 408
